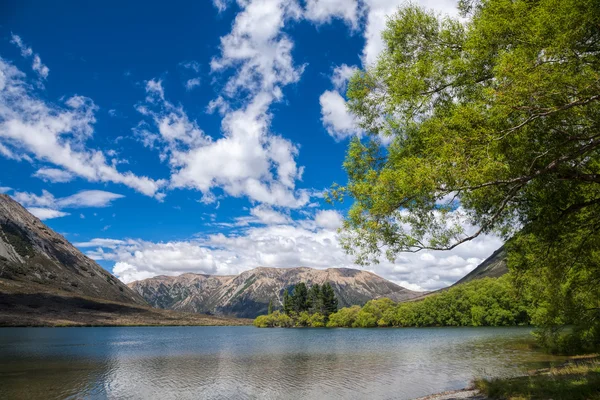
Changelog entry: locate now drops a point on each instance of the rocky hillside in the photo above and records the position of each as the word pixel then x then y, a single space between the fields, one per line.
pixel 248 294
pixel 32 255
pixel 493 267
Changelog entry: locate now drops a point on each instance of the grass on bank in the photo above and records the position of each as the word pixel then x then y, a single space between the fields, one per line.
pixel 577 380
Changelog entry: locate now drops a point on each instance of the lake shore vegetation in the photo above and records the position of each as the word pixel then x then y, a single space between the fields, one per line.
pixel 486 302
pixel 304 307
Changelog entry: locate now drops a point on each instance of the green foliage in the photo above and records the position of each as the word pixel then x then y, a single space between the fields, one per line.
pixel 304 308
pixel 315 299
pixel 328 299
pixel 276 319
pixel 300 298
pixel 492 121
pixel 564 282
pixel 344 318
pixel 570 382
pixel 485 302
pixel 270 309
pixel 287 303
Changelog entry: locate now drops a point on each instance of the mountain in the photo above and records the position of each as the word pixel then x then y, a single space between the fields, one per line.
pixel 492 267
pixel 248 294
pixel 32 253
pixel 45 281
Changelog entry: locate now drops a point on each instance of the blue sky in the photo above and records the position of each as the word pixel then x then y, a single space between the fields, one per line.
pixel 193 136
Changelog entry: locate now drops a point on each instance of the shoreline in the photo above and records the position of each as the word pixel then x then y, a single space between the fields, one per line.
pixel 467 394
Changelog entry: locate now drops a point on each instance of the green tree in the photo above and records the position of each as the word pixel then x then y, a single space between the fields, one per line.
pixel 330 302
pixel 315 299
pixel 270 309
pixel 493 121
pixel 300 298
pixel 288 306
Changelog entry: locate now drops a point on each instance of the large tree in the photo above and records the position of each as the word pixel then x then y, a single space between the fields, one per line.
pixel 484 124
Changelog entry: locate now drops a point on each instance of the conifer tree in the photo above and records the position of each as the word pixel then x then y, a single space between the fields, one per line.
pixel 300 297
pixel 330 302
pixel 287 302
pixel 315 299
pixel 270 309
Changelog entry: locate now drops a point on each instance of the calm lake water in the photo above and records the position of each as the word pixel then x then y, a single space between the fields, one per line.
pixel 248 363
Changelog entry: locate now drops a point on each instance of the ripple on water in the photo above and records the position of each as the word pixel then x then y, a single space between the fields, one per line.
pixel 245 362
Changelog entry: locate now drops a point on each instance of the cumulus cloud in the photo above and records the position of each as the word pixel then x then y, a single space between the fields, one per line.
pixel 341 75
pixel 323 11
pixel 268 216
pixel 311 242
pixel 246 160
pixel 329 219
pixel 56 134
pixel 337 120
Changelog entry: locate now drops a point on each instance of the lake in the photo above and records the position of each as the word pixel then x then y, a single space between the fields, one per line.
pixel 247 362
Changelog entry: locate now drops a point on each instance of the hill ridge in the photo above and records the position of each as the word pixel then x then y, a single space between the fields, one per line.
pixel 248 293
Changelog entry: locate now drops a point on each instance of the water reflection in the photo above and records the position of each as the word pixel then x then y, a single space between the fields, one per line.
pixel 248 363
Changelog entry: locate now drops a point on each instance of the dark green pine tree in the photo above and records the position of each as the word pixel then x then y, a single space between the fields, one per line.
pixel 270 309
pixel 300 297
pixel 288 305
pixel 330 302
pixel 315 299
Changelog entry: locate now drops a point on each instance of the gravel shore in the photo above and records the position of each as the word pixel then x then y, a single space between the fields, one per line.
pixel 469 394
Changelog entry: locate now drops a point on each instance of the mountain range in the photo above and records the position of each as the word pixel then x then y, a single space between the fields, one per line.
pixel 44 280
pixel 248 294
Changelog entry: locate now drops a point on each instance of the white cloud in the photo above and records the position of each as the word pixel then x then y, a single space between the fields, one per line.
pixel 57 134
pixel 323 11
pixel 53 175
pixel 258 49
pixel 329 219
pixel 27 52
pixel 341 75
pixel 337 120
pixel 190 84
pixel 268 216
pixel 86 198
pixel 311 242
pixel 46 213
pixel 246 160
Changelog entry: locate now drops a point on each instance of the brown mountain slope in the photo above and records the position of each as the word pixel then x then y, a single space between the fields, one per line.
pixel 45 281
pixel 33 254
pixel 248 294
pixel 492 267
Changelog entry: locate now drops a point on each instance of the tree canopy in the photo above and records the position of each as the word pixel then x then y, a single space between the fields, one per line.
pixel 486 124
pixel 495 119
